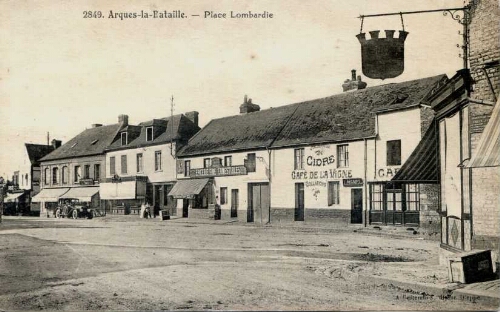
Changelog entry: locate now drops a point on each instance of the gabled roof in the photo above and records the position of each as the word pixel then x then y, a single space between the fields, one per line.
pixel 37 151
pixel 180 128
pixel 341 117
pixel 247 131
pixel 91 141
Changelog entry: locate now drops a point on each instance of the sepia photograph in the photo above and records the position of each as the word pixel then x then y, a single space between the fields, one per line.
pixel 197 155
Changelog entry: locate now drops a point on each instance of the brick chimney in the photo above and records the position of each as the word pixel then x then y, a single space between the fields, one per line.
pixel 56 143
pixel 354 83
pixel 248 106
pixel 193 116
pixel 123 120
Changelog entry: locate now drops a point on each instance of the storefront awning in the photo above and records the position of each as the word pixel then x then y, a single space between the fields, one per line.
pixel 423 164
pixel 188 188
pixel 487 153
pixel 123 190
pixel 83 194
pixel 11 197
pixel 49 195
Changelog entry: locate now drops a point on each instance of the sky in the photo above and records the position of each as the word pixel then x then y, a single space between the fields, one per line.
pixel 60 72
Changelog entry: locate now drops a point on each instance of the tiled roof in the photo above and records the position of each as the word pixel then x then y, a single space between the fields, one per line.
pixel 181 129
pixel 252 130
pixel 37 151
pixel 341 117
pixel 91 141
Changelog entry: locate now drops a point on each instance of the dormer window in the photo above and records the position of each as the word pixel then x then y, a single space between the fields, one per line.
pixel 149 134
pixel 124 138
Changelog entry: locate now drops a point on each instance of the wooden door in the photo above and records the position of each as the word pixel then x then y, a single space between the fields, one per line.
pixel 357 206
pixel 234 203
pixel 299 201
pixel 258 203
pixel 185 207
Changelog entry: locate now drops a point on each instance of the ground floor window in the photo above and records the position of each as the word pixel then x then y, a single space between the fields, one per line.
pixel 223 195
pixel 333 193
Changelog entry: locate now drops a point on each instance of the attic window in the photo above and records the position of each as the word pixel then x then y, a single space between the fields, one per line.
pixel 74 145
pixel 149 134
pixel 124 138
pixel 94 142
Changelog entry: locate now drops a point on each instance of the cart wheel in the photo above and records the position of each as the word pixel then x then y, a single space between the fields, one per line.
pixel 58 213
pixel 75 214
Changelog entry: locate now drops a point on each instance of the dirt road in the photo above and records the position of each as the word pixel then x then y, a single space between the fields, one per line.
pixel 123 263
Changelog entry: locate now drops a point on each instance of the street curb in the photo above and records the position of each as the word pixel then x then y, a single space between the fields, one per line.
pixel 454 292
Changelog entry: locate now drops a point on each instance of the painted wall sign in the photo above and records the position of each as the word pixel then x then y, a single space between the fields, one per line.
pixel 217 172
pixel 352 182
pixel 323 161
pixel 322 174
pixel 387 172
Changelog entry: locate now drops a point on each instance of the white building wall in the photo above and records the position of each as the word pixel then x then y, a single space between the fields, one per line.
pixel 401 125
pixel 167 172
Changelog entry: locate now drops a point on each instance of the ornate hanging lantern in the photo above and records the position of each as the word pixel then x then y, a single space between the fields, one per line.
pixel 382 57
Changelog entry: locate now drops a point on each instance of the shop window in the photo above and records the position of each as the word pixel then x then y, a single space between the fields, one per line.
pixel 206 162
pixel 158 161
pixel 299 159
pixel 187 167
pixel 97 172
pixel 124 138
pixel 412 197
pixel 149 134
pixel 139 163
pixel 377 197
pixel 333 193
pixel 123 164
pixel 64 175
pixel 223 195
pixel 46 175
pixel 250 162
pixel 55 175
pixel 112 165
pixel 228 161
pixel 342 156
pixel 86 172
pixel 394 153
pixel 77 174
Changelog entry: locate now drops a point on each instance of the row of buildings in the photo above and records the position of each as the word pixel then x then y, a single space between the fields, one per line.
pixel 417 153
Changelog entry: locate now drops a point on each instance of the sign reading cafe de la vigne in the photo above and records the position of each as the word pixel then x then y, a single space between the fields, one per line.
pixel 217 172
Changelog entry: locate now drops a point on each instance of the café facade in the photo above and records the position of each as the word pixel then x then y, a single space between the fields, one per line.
pixel 325 160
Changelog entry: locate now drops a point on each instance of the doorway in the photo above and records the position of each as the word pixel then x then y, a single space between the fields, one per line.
pixel 357 206
pixel 258 203
pixel 185 207
pixel 234 203
pixel 299 202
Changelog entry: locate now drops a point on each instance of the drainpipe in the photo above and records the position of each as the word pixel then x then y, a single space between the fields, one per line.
pixel 365 184
pixel 270 188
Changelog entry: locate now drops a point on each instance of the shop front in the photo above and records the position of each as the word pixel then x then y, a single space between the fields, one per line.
pixel 124 195
pixel 195 197
pixel 49 199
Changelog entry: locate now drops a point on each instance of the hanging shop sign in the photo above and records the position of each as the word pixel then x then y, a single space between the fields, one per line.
pixel 218 172
pixel 352 182
pixel 382 58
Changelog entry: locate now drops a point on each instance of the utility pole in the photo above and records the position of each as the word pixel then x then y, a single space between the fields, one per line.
pixel 172 125
pixel 2 187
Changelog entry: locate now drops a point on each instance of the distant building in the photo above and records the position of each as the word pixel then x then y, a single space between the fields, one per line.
pixel 26 180
pixel 74 170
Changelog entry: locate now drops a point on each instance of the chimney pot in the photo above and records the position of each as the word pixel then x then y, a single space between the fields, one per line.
pixel 193 116
pixel 56 143
pixel 248 106
pixel 123 120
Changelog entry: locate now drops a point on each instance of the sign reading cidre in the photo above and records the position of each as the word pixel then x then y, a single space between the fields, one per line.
pixel 217 172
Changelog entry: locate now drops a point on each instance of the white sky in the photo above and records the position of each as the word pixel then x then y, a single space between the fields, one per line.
pixel 60 73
